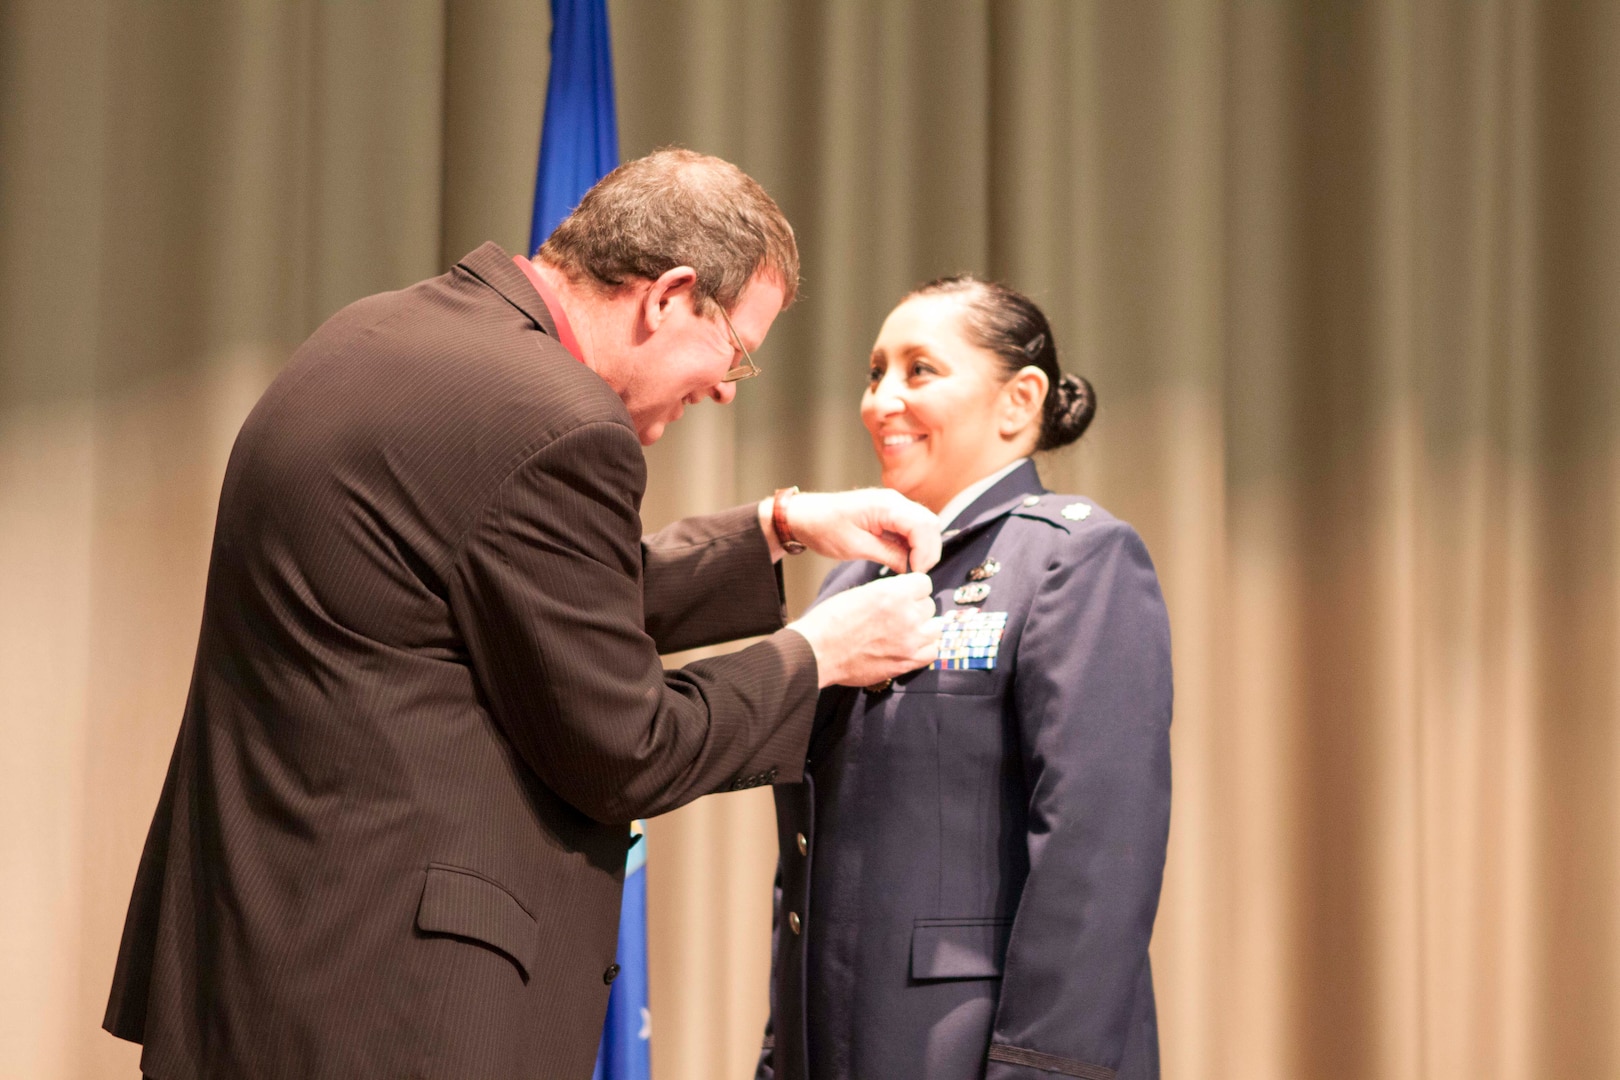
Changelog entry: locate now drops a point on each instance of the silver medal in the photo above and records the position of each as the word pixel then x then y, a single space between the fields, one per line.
pixel 973 592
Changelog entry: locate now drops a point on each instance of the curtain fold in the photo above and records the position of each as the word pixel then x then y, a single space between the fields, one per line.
pixel 1343 275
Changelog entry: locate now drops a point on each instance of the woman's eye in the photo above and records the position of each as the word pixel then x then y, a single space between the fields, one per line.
pixel 922 367
pixel 874 375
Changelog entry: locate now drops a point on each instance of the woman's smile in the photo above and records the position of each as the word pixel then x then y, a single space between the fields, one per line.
pixel 898 441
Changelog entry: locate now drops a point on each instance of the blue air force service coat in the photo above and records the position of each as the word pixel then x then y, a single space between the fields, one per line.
pixel 970 869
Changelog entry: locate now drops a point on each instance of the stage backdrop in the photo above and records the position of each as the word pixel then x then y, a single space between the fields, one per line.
pixel 1345 276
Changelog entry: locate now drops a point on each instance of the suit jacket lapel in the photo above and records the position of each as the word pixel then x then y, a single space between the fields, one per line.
pixel 495 268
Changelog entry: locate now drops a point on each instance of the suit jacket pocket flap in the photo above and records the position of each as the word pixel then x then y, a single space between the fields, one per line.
pixel 959 948
pixel 467 905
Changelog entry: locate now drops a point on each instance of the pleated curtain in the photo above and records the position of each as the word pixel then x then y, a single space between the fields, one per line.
pixel 1346 277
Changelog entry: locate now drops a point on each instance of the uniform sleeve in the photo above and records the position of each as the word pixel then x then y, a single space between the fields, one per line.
pixel 547 592
pixel 1093 695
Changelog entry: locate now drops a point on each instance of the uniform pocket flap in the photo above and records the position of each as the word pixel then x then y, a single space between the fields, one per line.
pixel 465 904
pixel 961 683
pixel 959 948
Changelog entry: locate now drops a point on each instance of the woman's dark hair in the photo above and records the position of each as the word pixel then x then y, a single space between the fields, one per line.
pixel 1008 324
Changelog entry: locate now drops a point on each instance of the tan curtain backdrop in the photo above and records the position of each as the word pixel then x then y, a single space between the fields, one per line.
pixel 1345 276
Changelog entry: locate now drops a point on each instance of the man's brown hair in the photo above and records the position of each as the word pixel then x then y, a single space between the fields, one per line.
pixel 672 208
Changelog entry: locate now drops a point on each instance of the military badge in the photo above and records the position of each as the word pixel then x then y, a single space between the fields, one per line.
pixel 973 592
pixel 985 570
pixel 970 639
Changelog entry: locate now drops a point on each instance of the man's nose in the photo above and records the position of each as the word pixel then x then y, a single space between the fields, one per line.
pixel 724 392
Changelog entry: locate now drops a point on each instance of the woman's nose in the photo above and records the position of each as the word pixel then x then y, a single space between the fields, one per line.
pixel 887 400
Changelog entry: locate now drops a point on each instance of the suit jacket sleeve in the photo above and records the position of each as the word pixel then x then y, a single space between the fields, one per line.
pixel 1093 696
pixel 547 592
pixel 710 579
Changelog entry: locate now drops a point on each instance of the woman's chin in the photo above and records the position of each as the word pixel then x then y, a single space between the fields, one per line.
pixel 905 481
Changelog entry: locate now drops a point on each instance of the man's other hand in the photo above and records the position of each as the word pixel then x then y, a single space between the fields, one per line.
pixel 871 523
pixel 874 631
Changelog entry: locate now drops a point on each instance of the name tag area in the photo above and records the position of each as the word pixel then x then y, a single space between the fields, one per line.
pixel 969 640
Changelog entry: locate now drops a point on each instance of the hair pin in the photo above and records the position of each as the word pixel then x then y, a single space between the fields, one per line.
pixel 1035 344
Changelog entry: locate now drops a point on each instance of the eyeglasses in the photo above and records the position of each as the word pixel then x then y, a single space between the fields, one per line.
pixel 745 370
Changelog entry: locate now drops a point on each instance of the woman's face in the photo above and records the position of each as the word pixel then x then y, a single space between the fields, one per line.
pixel 937 405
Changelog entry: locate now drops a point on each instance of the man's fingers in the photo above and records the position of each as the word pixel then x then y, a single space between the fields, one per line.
pixel 887 549
pixel 914 586
pixel 925 547
pixel 917 528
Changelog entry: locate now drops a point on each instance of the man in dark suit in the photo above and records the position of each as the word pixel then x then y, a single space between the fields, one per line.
pixel 427 696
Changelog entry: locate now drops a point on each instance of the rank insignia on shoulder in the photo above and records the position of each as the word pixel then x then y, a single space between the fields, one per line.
pixel 970 640
pixel 1076 511
pixel 972 593
pixel 985 570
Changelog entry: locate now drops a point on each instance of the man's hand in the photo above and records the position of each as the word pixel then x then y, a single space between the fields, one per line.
pixel 873 632
pixel 871 523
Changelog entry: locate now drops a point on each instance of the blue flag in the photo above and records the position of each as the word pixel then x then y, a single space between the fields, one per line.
pixel 579 141
pixel 579 144
pixel 625 1053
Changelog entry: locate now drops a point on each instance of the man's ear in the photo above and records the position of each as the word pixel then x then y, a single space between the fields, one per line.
pixel 1023 398
pixel 668 288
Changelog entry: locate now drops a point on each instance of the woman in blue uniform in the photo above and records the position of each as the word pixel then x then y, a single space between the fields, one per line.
pixel 970 869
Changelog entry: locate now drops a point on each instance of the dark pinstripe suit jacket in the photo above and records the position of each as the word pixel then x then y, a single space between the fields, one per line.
pixel 427 698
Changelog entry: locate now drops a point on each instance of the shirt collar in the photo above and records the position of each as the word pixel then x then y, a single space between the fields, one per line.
pixel 548 296
pixel 964 498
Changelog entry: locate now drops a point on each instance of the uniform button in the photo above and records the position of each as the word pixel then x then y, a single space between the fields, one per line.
pixel 611 973
pixel 1031 500
pixel 804 844
pixel 879 687
pixel 794 922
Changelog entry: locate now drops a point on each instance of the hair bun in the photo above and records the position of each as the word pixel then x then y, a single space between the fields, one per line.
pixel 1069 413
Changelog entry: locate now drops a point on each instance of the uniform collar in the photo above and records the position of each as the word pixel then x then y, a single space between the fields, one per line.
pixel 495 268
pixel 1003 497
pixel 966 497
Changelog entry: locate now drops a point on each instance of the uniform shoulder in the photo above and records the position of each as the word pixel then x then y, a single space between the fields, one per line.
pixel 1069 513
pixel 1075 520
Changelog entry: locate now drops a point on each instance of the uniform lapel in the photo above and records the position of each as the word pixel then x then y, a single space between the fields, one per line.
pixel 1004 497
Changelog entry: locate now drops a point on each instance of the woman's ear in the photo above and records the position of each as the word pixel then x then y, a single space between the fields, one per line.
pixel 1022 399
pixel 672 284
